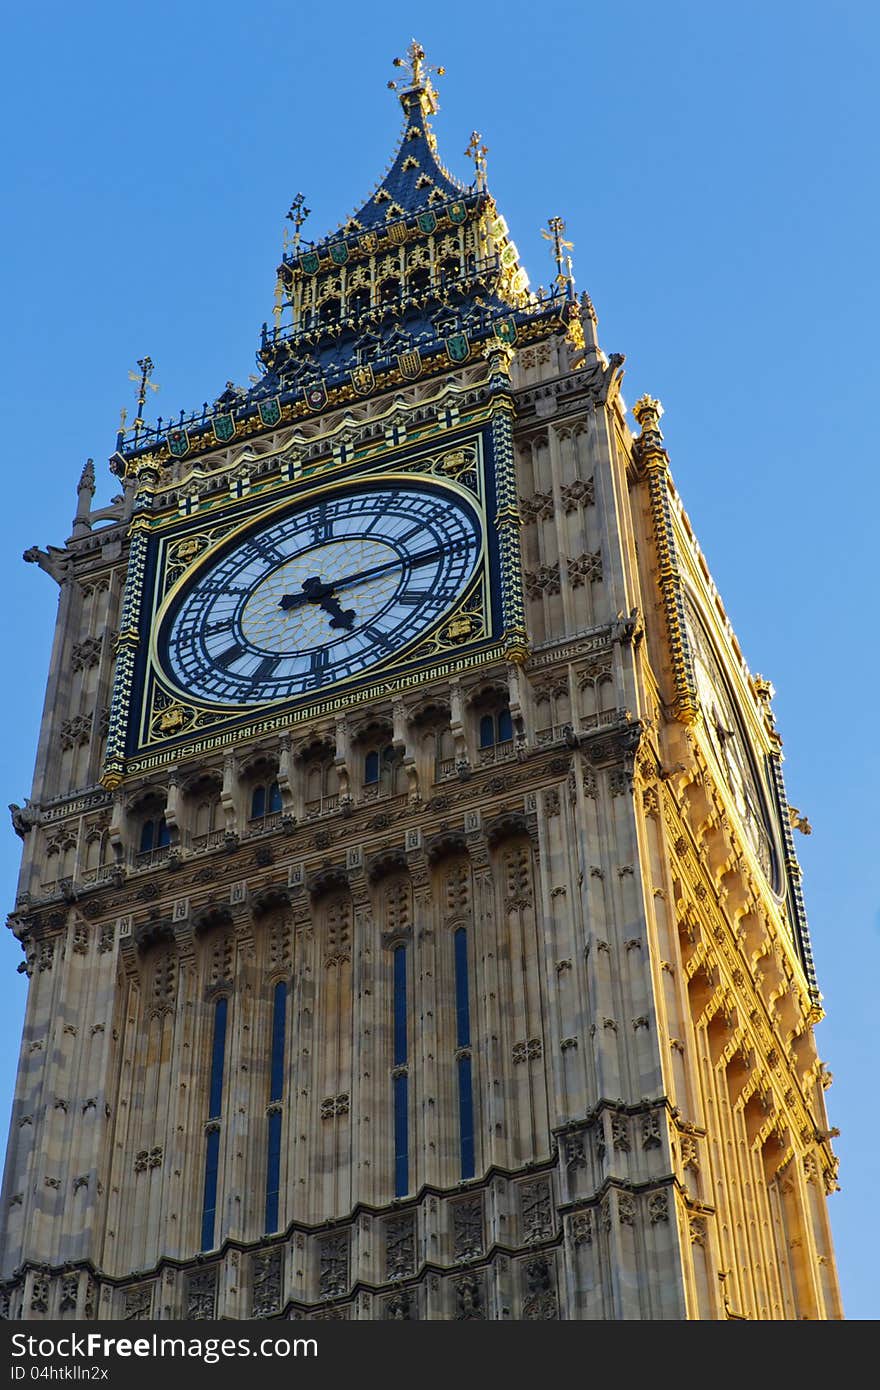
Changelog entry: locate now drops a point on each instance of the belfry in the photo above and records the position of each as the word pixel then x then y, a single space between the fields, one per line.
pixel 409 899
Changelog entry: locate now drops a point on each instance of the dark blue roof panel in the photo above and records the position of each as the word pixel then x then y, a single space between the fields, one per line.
pixel 416 179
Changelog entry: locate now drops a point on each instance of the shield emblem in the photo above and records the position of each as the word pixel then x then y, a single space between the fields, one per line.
pixel 427 222
pixel 505 329
pixel 178 443
pixel 457 212
pixel 363 380
pixel 509 255
pixel 316 395
pixel 369 241
pixel 339 253
pixel 270 412
pixel 410 364
pixel 396 232
pixel 224 428
pixel 458 347
pixel 310 262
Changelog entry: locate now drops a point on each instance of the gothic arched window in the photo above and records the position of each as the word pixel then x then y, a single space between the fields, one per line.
pixel 496 728
pixel 155 834
pixel 379 766
pixel 265 800
pixel 389 290
pixel 359 302
pixel 419 281
pixel 276 1094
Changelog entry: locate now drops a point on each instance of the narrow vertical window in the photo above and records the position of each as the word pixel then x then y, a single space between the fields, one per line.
pixel 276 1092
pixel 215 1105
pixel 401 1097
pixel 274 798
pixel 463 1044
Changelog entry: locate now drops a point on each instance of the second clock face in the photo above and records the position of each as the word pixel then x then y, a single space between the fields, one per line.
pixel 315 596
pixel 731 748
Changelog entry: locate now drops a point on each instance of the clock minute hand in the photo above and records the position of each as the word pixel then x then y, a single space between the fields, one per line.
pixel 413 562
pixel 314 590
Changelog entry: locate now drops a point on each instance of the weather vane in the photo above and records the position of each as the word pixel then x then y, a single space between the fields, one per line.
pixel 556 228
pixel 297 215
pixel 418 72
pixel 144 385
pixel 477 151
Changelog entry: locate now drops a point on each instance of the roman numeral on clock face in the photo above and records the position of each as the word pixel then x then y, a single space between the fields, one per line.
pixel 322 526
pixel 318 663
pixel 266 668
pixel 266 551
pixel 377 638
pixel 231 654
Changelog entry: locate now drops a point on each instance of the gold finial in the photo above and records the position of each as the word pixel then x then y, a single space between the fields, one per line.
pixel 144 385
pixel 556 227
pixel 418 73
pixel 297 214
pixel 477 151
pixel 123 416
pixel 648 411
pixel 764 690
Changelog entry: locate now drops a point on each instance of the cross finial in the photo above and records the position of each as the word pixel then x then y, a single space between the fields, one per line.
pixel 477 151
pixel 418 73
pixel 144 385
pixel 297 214
pixel 556 228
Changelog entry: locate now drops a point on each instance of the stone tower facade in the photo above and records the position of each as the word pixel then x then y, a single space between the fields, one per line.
pixel 408 895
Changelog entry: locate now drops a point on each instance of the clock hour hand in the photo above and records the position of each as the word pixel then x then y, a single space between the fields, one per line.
pixel 315 591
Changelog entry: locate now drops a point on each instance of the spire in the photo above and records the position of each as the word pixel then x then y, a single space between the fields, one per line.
pixel 416 181
pixel 87 478
pixel 85 491
pixel 422 277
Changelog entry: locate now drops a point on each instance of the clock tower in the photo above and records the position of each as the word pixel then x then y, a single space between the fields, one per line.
pixel 408 896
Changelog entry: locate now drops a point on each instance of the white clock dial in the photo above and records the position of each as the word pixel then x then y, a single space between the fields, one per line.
pixel 320 593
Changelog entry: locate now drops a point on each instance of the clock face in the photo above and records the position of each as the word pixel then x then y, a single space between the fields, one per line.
pixel 320 593
pixel 731 748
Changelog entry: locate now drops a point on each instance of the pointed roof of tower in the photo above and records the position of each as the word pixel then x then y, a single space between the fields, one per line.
pixel 415 180
pixel 420 280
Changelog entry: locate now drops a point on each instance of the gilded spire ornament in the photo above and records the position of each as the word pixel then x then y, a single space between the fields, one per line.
pixel 553 232
pixel 477 151
pixel 297 214
pixel 145 384
pixel 418 73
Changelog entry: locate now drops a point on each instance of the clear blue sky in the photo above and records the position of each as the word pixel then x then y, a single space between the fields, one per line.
pixel 716 165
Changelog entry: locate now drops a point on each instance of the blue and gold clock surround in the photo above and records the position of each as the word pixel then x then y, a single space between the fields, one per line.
pixel 303 598
pixel 320 591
